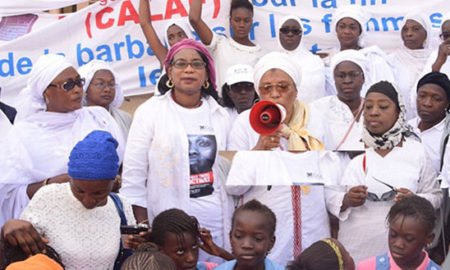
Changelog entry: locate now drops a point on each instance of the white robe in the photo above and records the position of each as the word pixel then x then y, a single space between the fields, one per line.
pixel 38 147
pixel 340 117
pixel 408 167
pixel 251 173
pixel 5 126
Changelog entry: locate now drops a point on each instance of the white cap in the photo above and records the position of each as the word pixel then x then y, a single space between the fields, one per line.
pixel 239 73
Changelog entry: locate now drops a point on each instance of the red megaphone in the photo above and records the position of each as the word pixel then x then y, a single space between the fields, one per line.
pixel 266 116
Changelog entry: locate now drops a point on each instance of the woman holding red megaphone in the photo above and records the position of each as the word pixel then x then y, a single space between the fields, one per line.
pixel 276 78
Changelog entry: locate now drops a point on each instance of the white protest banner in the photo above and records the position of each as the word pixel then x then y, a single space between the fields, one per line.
pixel 19 7
pixel 109 30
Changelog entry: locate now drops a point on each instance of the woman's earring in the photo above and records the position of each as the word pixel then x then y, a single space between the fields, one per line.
pixel 206 84
pixel 169 83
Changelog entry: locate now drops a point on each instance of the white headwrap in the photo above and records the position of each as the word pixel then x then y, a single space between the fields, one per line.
pixel 280 61
pixel 180 23
pixel 419 18
pixel 353 56
pixel 45 70
pixel 280 25
pixel 88 71
pixel 353 12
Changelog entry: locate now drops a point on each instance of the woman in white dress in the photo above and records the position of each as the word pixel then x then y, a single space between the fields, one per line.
pixel 393 166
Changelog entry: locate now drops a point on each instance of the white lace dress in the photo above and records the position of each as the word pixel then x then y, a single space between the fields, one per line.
pixel 84 238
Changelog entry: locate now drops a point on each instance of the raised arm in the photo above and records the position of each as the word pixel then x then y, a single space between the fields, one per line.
pixel 195 18
pixel 149 32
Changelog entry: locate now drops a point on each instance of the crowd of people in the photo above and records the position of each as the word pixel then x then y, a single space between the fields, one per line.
pixel 355 174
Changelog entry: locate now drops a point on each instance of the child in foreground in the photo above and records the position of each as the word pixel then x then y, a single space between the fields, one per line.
pixel 411 222
pixel 252 237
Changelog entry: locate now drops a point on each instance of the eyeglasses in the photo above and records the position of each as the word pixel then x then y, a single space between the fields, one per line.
pixel 294 31
pixel 69 85
pixel 444 35
pixel 352 75
pixel 103 85
pixel 281 87
pixel 238 87
pixel 196 64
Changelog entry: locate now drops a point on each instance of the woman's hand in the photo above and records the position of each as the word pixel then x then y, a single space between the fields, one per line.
pixel 267 142
pixel 402 193
pixel 22 233
pixel 443 53
pixel 356 196
pixel 132 241
pixel 210 247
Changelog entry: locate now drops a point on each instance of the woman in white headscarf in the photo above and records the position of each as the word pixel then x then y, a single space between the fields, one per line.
pixel 52 121
pixel 409 58
pixel 290 41
pixel 276 79
pixel 174 31
pixel 344 110
pixel 102 88
pixel 349 23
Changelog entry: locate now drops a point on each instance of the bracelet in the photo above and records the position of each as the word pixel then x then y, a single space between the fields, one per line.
pixel 46 182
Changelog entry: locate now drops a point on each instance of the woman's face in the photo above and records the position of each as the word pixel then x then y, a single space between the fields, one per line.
pixel 241 21
pixel 61 100
pixel 348 31
pixel 445 30
pixel 242 95
pixel 431 103
pixel 183 253
pixel 380 113
pixel 407 238
pixel 90 193
pixel 349 79
pixel 188 79
pixel 102 90
pixel 290 35
pixel 251 239
pixel 175 34
pixel 413 35
pixel 277 86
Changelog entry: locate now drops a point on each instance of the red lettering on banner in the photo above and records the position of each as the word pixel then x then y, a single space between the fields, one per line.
pixel 123 17
pixel 99 16
pixel 179 9
pixel 216 8
pixel 87 23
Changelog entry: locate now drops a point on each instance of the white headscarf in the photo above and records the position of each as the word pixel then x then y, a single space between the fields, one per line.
pixel 45 70
pixel 353 56
pixel 353 12
pixel 180 23
pixel 276 60
pixel 419 18
pixel 88 71
pixel 280 25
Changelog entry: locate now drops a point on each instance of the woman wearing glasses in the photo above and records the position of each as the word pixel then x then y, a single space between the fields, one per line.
pixel 394 166
pixel 52 121
pixel 171 156
pixel 344 110
pixel 276 79
pixel 238 91
pixel 102 88
pixel 290 41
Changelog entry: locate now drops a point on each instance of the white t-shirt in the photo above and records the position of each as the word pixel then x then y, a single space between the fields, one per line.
pixel 227 52
pixel 204 191
pixel 86 239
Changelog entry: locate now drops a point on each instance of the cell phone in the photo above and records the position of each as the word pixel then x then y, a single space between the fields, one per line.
pixel 133 229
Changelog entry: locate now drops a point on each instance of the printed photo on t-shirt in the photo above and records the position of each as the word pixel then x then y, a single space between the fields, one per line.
pixel 202 154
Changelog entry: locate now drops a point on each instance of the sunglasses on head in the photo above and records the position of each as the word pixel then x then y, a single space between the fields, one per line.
pixel 70 84
pixel 294 31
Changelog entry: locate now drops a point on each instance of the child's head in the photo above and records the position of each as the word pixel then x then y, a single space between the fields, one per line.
pixel 411 222
pixel 252 234
pixel 327 253
pixel 147 257
pixel 176 235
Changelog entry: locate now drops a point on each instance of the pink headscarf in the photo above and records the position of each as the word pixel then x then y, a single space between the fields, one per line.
pixel 192 44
